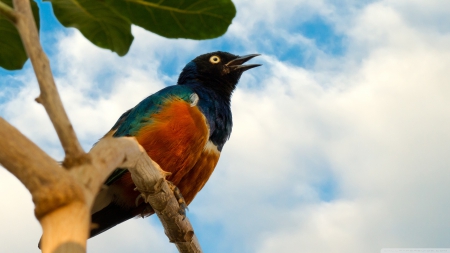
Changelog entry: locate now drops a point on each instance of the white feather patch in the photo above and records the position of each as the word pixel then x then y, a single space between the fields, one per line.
pixel 194 99
pixel 211 148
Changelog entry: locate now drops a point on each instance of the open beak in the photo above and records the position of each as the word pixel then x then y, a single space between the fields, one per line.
pixel 236 64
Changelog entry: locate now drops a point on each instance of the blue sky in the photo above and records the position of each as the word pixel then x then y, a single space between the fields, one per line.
pixel 340 140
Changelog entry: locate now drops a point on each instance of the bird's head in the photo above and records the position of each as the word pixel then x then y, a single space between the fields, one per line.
pixel 219 71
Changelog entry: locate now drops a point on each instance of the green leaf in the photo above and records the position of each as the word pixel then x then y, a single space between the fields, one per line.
pixel 12 52
pixel 96 22
pixel 193 19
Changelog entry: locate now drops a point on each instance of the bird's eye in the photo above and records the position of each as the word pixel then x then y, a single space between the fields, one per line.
pixel 214 59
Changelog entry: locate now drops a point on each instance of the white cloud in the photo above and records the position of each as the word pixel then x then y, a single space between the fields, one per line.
pixel 379 118
pixel 135 235
pixel 20 231
pixel 384 132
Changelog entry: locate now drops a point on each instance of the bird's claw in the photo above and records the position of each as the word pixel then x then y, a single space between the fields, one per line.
pixel 139 200
pixel 179 197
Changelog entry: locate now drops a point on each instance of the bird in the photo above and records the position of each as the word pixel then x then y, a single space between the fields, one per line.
pixel 182 127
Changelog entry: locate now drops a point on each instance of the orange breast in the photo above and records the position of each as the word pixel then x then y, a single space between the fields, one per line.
pixel 196 178
pixel 175 138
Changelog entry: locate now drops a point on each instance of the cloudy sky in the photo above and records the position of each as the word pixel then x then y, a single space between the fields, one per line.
pixel 341 140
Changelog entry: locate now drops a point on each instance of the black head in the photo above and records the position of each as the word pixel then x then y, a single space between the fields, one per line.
pixel 219 71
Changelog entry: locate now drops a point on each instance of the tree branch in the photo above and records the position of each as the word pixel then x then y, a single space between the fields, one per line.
pixel 55 193
pixel 149 179
pixel 63 199
pixel 59 194
pixel 8 12
pixel 37 171
pixel 49 96
pixel 160 197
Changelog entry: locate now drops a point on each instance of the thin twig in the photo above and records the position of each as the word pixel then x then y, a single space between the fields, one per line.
pixel 49 96
pixel 8 12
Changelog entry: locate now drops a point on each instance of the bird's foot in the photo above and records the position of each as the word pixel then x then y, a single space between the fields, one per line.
pixel 146 208
pixel 179 197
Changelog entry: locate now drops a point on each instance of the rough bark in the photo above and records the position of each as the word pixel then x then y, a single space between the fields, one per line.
pixel 63 198
pixel 59 199
pixel 177 226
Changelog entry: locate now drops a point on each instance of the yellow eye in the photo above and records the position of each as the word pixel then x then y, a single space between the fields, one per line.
pixel 214 59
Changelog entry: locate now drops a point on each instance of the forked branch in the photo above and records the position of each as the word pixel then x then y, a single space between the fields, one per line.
pixel 63 198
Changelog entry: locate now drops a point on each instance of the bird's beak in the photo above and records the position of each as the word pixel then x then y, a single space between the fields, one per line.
pixel 236 64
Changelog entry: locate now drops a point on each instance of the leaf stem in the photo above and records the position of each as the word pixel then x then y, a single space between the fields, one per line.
pixel 8 12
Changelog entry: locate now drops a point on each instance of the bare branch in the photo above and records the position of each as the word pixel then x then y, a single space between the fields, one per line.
pixel 37 171
pixel 161 198
pixel 107 155
pixel 8 12
pixel 49 96
pixel 63 198
pixel 149 179
pixel 59 194
pixel 55 193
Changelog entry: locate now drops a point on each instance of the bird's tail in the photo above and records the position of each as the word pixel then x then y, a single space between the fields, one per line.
pixel 113 215
pixel 107 213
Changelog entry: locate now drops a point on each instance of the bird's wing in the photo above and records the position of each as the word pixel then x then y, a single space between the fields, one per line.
pixel 130 123
pixel 137 118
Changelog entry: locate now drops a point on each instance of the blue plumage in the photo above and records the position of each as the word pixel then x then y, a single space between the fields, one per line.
pixel 134 119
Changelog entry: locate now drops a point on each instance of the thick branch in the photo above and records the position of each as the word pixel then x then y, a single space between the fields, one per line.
pixel 59 194
pixel 8 12
pixel 63 199
pixel 149 179
pixel 49 96
pixel 55 193
pixel 48 183
pixel 40 174
pixel 160 197
pixel 107 155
